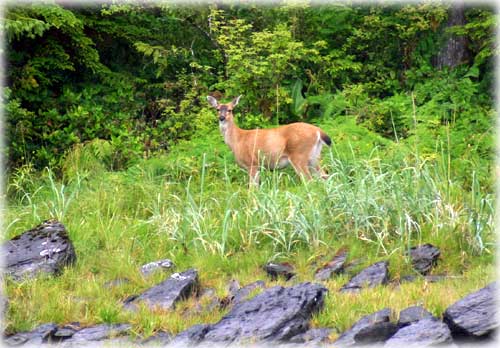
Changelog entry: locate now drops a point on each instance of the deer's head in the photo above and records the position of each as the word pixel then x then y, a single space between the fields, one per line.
pixel 224 111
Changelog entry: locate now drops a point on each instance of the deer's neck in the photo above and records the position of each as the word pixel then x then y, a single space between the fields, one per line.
pixel 230 131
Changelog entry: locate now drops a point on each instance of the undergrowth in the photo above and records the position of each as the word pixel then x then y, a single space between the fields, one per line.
pixel 194 207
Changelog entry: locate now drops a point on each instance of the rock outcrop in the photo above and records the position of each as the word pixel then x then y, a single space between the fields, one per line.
pixel 335 266
pixel 44 249
pixel 367 324
pixel 424 257
pixel 70 335
pixel 164 295
pixel 275 315
pixel 474 316
pixel 35 337
pixel 413 314
pixel 275 270
pixel 376 274
pixel 422 333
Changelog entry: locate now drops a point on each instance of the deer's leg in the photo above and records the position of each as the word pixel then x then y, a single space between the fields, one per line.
pixel 322 174
pixel 253 172
pixel 314 158
pixel 301 167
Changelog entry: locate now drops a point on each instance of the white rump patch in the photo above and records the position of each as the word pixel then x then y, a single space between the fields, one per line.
pixel 316 151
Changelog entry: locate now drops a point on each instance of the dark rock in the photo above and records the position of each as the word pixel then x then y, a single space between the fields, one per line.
pixel 37 336
pixel 116 282
pixel 274 270
pixel 312 336
pixel 190 337
pixel 424 257
pixel 376 274
pixel 277 314
pixel 65 332
pixel 238 295
pixel 423 333
pixel 243 293
pixel 474 315
pixel 100 332
pixel 168 292
pixel 159 339
pixel 412 314
pixel 43 249
pixel 335 266
pixel 378 332
pixel 154 266
pixel 346 339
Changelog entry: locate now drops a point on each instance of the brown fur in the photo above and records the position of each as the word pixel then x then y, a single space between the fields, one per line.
pixel 298 144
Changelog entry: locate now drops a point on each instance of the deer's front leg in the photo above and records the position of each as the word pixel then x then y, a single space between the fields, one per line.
pixel 253 172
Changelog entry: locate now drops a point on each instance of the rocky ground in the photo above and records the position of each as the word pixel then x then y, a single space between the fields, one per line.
pixel 278 316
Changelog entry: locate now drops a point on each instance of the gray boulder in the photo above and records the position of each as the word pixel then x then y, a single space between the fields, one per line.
pixel 474 315
pixel 275 315
pixel 423 333
pixel 190 337
pixel 164 295
pixel 366 324
pixel 275 270
pixel 412 314
pixel 43 249
pixel 99 333
pixel 36 337
pixel 242 294
pixel 335 266
pixel 376 274
pixel 424 257
pixel 376 333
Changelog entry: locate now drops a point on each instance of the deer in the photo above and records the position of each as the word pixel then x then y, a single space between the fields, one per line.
pixel 297 144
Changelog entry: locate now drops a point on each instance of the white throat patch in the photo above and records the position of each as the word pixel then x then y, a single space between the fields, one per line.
pixel 223 129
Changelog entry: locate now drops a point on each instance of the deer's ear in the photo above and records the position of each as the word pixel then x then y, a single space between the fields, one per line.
pixel 212 101
pixel 235 101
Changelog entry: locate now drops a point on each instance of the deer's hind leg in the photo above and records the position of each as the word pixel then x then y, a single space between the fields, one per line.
pixel 301 166
pixel 314 160
pixel 322 174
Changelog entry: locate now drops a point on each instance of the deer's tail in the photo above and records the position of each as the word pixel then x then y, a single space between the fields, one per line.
pixel 325 138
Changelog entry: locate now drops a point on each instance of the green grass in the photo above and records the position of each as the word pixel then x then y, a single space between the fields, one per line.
pixel 194 207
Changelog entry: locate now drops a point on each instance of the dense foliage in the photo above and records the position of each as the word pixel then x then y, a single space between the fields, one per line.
pixel 136 76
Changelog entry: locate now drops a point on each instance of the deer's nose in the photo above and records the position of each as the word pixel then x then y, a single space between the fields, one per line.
pixel 222 118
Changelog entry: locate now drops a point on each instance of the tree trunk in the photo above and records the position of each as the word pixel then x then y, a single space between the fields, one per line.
pixel 454 50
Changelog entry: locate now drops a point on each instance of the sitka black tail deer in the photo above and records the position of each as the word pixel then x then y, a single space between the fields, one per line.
pixel 298 144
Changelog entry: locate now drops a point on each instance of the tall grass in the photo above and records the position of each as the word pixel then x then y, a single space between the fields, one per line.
pixel 390 205
pixel 198 210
